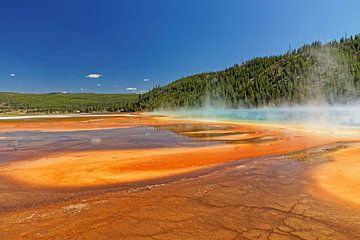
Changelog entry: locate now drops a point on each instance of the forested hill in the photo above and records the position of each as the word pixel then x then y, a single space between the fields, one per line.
pixel 316 72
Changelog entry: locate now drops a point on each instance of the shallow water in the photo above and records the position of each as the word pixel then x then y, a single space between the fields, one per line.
pixel 20 144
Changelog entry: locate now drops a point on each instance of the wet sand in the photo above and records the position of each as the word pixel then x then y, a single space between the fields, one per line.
pixel 234 181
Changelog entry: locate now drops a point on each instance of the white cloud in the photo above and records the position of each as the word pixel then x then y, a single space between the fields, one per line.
pixel 12 74
pixel 94 75
pixel 83 89
pixel 131 89
pixel 146 79
pixel 99 84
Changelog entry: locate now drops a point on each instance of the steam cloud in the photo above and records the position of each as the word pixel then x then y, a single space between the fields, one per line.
pixel 328 86
pixel 330 70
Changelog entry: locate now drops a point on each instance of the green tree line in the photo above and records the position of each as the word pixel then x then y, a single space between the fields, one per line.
pixel 67 102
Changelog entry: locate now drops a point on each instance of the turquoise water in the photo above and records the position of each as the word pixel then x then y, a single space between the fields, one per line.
pixel 329 116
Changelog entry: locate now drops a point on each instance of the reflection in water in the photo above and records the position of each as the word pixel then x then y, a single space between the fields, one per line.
pixel 31 142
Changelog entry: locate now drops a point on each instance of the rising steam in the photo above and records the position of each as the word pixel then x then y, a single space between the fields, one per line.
pixel 328 80
pixel 328 87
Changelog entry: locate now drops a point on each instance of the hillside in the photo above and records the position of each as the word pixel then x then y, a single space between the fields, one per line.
pixel 313 73
pixel 69 102
pixel 320 73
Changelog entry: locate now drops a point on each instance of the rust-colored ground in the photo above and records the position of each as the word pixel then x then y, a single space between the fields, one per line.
pixel 250 182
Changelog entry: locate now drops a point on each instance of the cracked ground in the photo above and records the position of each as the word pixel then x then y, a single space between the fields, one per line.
pixel 265 198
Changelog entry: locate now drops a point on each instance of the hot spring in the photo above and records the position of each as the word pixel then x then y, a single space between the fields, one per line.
pixel 346 117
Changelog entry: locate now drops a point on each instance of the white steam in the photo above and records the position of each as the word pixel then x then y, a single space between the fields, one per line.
pixel 328 80
pixel 328 87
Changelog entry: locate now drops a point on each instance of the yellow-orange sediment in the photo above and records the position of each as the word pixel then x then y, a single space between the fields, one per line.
pixel 101 167
pixel 341 176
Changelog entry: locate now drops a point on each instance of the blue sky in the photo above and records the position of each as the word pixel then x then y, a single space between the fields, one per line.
pixel 48 46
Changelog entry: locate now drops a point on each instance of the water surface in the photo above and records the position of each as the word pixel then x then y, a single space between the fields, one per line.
pixel 23 144
pixel 315 116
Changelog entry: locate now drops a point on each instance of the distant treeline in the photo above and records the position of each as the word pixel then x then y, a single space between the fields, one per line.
pixel 312 73
pixel 67 102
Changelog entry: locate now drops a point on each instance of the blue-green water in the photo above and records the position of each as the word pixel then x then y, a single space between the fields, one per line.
pixel 329 116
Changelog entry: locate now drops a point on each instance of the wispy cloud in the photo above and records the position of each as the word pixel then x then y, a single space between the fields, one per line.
pixel 94 75
pixel 99 84
pixel 146 79
pixel 12 74
pixel 131 89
